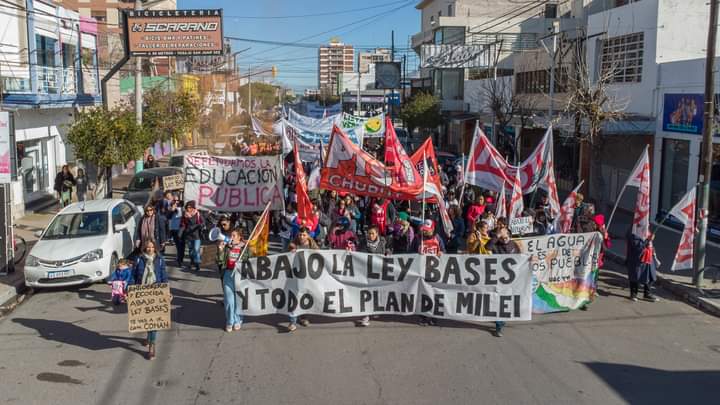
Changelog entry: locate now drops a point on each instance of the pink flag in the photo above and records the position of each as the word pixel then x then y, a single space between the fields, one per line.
pixel 564 221
pixel 640 177
pixel 516 199
pixel 500 205
pixel 684 211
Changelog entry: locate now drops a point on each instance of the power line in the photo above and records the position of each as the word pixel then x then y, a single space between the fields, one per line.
pixel 316 14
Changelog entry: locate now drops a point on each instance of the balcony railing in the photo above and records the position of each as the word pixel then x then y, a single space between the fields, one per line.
pixel 56 80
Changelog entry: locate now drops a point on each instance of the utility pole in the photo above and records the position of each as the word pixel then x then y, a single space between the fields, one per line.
pixel 707 146
pixel 358 105
pixel 250 90
pixel 556 30
pixel 138 94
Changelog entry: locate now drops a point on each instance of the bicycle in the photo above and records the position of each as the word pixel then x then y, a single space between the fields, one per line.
pixel 19 248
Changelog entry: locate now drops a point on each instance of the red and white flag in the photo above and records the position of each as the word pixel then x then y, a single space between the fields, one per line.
pixel 564 221
pixel 547 182
pixel 684 211
pixel 487 168
pixel 304 205
pixel 396 159
pixel 516 199
pixel 425 162
pixel 640 178
pixel 500 205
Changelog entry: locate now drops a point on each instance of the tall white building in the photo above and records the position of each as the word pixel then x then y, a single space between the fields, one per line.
pixel 333 59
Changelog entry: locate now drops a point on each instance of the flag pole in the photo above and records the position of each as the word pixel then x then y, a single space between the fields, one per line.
pixel 242 254
pixel 472 146
pixel 622 190
pixel 425 176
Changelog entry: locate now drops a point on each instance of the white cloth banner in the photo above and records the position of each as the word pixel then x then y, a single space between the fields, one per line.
pixel 341 284
pixel 684 211
pixel 314 137
pixel 315 124
pixel 234 184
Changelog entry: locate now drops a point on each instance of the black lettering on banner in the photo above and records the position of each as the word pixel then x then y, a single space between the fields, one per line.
pixel 452 267
pixel 376 302
pixel 263 268
pixel 464 303
pixel 439 307
pixel 504 301
pixel 508 265
pixel 490 271
pixel 387 269
pixel 392 302
pixel 407 303
pixel 470 262
pixel 486 307
pixel 292 301
pixel 243 296
pixel 300 271
pixel 261 292
pixel 348 269
pixel 282 265
pixel 516 306
pixel 370 273
pixel 246 271
pixel 341 298
pixel 278 298
pixel 328 302
pixel 426 303
pixel 478 303
pixel 365 297
pixel 316 263
pixel 306 301
pixel 404 267
pixel 334 267
pixel 432 275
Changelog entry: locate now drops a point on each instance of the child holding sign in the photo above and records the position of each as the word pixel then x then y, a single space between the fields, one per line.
pixel 119 281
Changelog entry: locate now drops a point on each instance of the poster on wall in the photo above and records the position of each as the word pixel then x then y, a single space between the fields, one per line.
pixel 4 147
pixel 683 113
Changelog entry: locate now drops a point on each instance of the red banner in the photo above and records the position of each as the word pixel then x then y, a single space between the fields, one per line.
pixel 304 206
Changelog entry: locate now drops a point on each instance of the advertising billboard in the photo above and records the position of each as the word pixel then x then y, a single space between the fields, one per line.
pixel 174 32
pixel 683 113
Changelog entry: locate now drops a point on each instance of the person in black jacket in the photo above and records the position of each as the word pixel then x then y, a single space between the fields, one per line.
pixel 373 243
pixel 190 229
pixel 153 227
pixel 64 182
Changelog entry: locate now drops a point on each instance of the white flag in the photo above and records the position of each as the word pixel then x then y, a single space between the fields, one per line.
pixel 684 211
pixel 564 221
pixel 516 199
pixel 500 205
pixel 640 177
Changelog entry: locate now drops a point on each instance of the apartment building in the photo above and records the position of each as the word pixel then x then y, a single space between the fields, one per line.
pixel 333 59
pixel 366 59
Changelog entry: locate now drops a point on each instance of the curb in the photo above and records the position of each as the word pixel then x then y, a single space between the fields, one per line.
pixel 687 294
pixel 13 297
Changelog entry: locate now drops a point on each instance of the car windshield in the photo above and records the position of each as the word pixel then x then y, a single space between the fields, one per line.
pixel 77 225
pixel 142 182
pixel 176 161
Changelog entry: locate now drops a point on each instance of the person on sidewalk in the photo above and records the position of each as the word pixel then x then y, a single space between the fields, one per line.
pixel 150 269
pixel 230 253
pixel 64 182
pixel 81 184
pixel 641 266
pixel 190 228
pixel 150 162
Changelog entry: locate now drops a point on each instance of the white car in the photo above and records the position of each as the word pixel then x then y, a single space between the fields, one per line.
pixel 83 243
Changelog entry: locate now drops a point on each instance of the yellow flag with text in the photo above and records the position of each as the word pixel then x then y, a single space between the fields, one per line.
pixel 258 241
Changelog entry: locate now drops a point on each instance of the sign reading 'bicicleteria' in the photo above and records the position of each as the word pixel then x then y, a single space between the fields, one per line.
pixel 234 184
pixel 174 32
pixel 342 284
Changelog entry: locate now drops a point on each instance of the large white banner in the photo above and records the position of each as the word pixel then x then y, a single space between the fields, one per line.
pixel 234 184
pixel 342 283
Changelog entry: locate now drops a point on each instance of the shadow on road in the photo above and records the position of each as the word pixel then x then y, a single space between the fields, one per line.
pixel 642 385
pixel 72 334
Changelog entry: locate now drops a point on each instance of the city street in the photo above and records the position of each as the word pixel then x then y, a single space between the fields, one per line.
pixel 73 346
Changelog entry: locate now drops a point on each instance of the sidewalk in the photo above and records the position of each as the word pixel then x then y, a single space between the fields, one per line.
pixel 678 282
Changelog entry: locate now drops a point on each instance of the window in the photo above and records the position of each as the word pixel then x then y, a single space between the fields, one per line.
pixel 538 81
pixel 127 212
pixel 45 50
pixel 450 10
pixel 449 83
pixel 675 166
pixel 623 57
pixel 77 225
pixel 432 20
pixel 450 36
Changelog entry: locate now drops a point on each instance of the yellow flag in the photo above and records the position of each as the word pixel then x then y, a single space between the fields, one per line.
pixel 258 241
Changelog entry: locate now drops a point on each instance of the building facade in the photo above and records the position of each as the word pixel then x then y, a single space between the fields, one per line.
pixel 367 59
pixel 333 59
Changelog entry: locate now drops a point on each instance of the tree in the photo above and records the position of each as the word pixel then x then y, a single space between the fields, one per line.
pixel 422 111
pixel 106 138
pixel 265 94
pixel 170 114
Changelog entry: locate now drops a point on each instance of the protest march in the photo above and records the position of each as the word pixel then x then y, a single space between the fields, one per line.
pixel 368 233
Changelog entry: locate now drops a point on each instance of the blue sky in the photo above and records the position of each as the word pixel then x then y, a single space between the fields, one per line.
pixel 366 23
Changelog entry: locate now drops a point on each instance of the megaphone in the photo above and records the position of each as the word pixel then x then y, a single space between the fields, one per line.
pixel 215 234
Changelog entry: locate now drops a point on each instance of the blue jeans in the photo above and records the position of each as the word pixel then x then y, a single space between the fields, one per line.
pixel 179 247
pixel 152 336
pixel 194 252
pixel 232 310
pixel 499 325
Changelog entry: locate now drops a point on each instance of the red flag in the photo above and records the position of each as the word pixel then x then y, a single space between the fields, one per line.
pixel 640 177
pixel 516 199
pixel 397 160
pixel 350 169
pixel 567 211
pixel 684 211
pixel 425 161
pixel 304 206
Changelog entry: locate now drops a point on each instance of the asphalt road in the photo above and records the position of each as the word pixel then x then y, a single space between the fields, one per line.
pixel 72 346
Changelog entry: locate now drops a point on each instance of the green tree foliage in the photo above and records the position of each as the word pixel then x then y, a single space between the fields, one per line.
pixel 266 94
pixel 170 114
pixel 422 111
pixel 108 137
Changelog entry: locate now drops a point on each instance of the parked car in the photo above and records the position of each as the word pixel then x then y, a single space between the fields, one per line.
pixel 142 185
pixel 178 158
pixel 445 158
pixel 83 243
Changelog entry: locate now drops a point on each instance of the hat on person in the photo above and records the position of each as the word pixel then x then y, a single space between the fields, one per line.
pixel 403 216
pixel 428 225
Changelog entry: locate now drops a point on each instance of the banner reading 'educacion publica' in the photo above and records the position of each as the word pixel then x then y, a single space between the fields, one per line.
pixel 342 284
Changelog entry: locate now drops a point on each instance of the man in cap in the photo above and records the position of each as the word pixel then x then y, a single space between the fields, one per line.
pixel 428 243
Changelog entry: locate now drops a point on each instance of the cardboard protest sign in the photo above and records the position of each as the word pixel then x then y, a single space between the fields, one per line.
pixel 148 307
pixel 174 182
pixel 521 225
pixel 342 284
pixel 565 268
pixel 234 184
